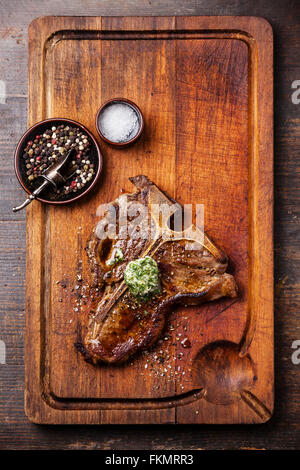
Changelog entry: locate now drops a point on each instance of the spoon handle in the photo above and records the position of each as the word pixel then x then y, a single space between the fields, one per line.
pixel 32 196
pixel 25 203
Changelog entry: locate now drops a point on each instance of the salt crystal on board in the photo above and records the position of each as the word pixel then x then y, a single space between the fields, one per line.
pixel 119 122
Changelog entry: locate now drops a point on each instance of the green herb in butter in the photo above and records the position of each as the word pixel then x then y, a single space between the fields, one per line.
pixel 116 257
pixel 141 276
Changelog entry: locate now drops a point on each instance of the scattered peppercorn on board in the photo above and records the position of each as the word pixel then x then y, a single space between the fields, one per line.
pixel 204 86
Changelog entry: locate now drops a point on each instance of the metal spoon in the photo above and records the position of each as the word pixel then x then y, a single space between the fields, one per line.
pixel 55 176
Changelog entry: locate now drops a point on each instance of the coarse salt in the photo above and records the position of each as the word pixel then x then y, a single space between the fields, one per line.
pixel 119 122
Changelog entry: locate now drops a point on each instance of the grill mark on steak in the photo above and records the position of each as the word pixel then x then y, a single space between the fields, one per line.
pixel 121 326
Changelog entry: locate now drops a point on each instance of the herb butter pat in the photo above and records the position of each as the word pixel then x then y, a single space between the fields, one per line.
pixel 141 276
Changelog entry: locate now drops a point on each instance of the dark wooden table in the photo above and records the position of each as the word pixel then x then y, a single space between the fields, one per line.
pixel 283 431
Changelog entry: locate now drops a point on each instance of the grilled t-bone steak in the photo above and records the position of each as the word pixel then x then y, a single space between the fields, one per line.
pixel 121 325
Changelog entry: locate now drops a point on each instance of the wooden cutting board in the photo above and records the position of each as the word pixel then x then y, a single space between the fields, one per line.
pixel 205 87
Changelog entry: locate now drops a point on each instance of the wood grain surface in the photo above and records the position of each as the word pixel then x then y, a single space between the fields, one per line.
pixel 200 85
pixel 283 430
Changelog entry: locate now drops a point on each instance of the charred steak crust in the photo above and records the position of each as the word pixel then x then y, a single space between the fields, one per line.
pixel 98 249
pixel 121 326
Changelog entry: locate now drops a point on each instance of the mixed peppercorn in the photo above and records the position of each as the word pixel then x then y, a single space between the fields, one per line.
pixel 44 149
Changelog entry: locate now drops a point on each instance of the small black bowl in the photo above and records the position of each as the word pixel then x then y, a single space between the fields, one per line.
pixel 39 128
pixel 138 112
